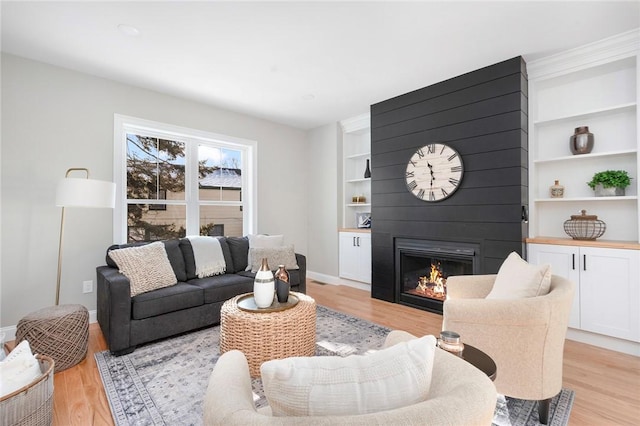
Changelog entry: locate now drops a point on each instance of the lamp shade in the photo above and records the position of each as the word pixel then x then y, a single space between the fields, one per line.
pixel 76 192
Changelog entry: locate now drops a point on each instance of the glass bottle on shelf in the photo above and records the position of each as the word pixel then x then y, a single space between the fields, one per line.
pixel 556 190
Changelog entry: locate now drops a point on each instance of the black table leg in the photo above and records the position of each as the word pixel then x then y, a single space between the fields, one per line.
pixel 543 410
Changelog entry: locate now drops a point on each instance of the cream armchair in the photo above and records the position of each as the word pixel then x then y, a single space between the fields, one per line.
pixel 460 394
pixel 525 337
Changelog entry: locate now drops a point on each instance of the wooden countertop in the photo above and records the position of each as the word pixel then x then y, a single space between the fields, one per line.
pixel 629 245
pixel 362 230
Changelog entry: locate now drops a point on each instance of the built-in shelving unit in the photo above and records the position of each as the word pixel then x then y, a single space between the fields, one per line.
pixel 595 86
pixel 355 243
pixel 356 150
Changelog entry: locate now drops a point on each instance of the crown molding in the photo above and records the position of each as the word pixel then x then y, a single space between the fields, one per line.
pixel 359 122
pixel 610 49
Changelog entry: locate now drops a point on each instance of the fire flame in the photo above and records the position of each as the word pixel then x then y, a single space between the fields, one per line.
pixel 434 283
pixel 435 276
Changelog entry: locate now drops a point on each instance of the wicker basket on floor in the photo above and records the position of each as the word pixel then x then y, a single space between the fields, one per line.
pixel 31 404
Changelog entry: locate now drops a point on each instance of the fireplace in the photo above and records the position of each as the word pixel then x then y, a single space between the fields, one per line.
pixel 423 266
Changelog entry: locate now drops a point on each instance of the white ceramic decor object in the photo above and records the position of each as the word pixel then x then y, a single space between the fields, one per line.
pixel 263 286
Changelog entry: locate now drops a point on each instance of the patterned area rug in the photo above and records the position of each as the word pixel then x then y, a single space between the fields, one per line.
pixel 164 383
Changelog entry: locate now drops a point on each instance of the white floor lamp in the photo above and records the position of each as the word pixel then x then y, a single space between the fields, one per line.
pixel 78 192
pixel 62 331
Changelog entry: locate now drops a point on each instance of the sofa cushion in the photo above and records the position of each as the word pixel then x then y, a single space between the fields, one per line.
pixel 518 279
pixel 223 287
pixel 147 267
pixel 394 377
pixel 190 262
pixel 275 256
pixel 172 247
pixel 262 241
pixel 239 247
pixel 165 300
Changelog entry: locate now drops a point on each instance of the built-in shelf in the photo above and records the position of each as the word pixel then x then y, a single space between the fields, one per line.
pixel 564 200
pixel 586 156
pixel 588 114
pixel 356 155
pixel 575 89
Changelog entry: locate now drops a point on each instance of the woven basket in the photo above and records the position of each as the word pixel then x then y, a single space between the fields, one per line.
pixel 31 404
pixel 269 335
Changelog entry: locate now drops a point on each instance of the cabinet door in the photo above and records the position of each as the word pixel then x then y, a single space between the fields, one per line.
pixel 610 293
pixel 364 252
pixel 355 256
pixel 564 261
pixel 349 262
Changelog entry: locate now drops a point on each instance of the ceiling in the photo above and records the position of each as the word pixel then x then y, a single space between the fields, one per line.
pixel 302 64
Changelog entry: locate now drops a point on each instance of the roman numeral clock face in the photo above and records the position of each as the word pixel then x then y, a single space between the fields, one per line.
pixel 434 172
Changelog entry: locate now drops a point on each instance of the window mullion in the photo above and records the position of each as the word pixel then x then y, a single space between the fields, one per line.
pixel 191 188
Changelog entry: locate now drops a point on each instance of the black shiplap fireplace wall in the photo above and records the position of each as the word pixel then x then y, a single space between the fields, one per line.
pixel 483 115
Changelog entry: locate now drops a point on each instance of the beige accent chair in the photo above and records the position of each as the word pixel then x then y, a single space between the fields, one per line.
pixel 525 337
pixel 460 394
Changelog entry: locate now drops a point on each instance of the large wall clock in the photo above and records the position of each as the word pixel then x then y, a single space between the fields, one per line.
pixel 434 172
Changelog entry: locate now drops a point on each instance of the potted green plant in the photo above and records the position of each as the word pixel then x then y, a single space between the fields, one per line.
pixel 610 182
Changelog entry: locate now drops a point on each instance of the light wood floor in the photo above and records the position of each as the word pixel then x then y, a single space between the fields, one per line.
pixel 607 383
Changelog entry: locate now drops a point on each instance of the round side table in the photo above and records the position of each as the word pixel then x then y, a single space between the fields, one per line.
pixel 60 332
pixel 263 336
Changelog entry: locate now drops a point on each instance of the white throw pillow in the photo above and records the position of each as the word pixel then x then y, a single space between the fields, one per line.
pixel 394 377
pixel 19 369
pixel 275 256
pixel 262 241
pixel 147 267
pixel 517 279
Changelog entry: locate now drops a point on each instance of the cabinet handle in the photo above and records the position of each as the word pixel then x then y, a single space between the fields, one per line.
pixel 354 241
pixel 573 261
pixel 584 262
pixel 358 241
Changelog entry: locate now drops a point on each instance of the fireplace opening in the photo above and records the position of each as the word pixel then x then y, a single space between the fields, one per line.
pixel 423 267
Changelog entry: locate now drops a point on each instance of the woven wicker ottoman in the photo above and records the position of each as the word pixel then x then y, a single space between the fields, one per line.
pixel 263 336
pixel 60 332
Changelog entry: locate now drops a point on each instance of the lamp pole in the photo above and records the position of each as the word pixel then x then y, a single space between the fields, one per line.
pixel 73 169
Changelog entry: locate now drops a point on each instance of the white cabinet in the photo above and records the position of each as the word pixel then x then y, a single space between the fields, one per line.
pixel 607 299
pixel 594 86
pixel 355 256
pixel 356 152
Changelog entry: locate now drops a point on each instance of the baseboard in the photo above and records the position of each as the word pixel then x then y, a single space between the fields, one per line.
pixel 10 331
pixel 330 279
pixel 606 342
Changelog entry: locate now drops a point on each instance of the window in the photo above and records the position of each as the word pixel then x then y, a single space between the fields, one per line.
pixel 173 181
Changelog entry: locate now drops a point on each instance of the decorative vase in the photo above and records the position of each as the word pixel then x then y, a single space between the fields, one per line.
pixel 282 284
pixel 584 227
pixel 263 286
pixel 557 190
pixel 601 191
pixel 367 171
pixel 581 142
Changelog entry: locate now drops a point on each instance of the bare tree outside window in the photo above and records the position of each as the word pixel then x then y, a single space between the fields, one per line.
pixel 156 204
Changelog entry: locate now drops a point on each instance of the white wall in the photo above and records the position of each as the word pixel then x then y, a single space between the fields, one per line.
pixel 53 119
pixel 324 209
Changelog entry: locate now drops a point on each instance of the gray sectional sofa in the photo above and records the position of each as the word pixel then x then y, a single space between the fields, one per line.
pixel 192 303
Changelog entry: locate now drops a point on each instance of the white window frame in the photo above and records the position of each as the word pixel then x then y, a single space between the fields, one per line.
pixel 123 124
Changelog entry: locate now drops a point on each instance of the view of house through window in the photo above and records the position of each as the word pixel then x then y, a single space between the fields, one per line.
pixel 177 187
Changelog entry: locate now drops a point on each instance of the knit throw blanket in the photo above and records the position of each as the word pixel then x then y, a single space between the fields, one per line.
pixel 208 256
